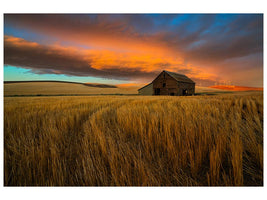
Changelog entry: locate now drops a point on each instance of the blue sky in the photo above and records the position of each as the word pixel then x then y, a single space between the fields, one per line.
pixel 12 73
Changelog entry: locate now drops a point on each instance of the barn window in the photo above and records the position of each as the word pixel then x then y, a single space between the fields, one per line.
pixel 164 85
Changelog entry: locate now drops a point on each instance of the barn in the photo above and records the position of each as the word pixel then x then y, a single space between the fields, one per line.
pixel 169 83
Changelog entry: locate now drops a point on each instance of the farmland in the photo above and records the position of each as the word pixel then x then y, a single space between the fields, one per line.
pixel 133 141
pixel 58 88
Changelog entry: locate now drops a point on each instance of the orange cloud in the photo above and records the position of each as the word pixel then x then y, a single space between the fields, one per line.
pixel 57 59
pixel 236 88
pixel 136 48
pixel 19 42
pixel 130 85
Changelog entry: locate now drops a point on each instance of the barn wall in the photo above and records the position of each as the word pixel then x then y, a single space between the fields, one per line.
pixel 148 90
pixel 171 86
pixel 189 87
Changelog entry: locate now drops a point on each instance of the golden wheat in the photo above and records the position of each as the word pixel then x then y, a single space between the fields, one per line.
pixel 62 88
pixel 133 141
pixel 57 88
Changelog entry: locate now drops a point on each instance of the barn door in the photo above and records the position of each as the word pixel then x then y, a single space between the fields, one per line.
pixel 157 91
pixel 185 92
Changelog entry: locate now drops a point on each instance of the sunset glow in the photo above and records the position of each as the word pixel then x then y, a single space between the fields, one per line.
pixel 122 49
pixel 236 88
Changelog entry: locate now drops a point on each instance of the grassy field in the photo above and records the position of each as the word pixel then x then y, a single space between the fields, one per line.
pixel 63 88
pixel 134 141
pixel 57 88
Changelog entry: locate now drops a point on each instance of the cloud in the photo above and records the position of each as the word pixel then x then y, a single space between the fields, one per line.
pixel 208 43
pixel 240 36
pixel 132 47
pixel 55 59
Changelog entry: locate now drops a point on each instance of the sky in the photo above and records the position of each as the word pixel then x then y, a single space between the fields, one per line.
pixel 211 49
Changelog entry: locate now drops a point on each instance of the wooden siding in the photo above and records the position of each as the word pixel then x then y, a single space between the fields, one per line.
pixel 188 87
pixel 164 84
pixel 147 90
pixel 170 87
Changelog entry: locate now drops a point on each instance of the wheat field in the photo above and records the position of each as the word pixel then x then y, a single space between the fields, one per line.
pixel 133 141
pixel 63 88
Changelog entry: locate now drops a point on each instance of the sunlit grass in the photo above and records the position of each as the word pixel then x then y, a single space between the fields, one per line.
pixel 63 88
pixel 60 88
pixel 133 141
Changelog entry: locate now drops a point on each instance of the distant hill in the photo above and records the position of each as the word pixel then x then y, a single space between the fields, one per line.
pixel 236 88
pixel 41 88
pixel 42 81
pixel 52 88
pixel 100 85
pixel 86 84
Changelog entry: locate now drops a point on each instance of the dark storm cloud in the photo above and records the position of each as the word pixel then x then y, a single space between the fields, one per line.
pixel 208 42
pixel 197 37
pixel 52 60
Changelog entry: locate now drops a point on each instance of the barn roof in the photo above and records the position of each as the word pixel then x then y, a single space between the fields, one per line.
pixel 180 77
pixel 177 77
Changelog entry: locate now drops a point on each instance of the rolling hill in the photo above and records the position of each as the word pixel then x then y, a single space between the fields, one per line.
pixel 22 88
pixel 58 88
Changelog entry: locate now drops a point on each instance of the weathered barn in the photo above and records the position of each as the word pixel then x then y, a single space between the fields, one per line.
pixel 169 83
